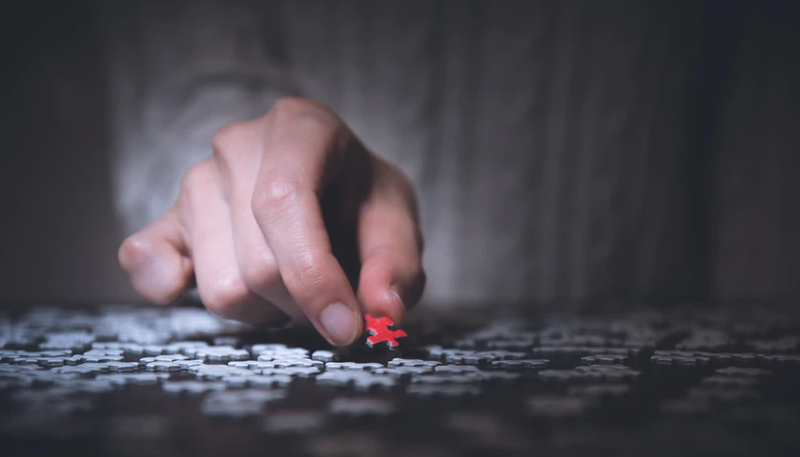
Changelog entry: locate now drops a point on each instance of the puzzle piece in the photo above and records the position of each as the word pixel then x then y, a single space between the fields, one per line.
pixel 474 378
pixel 290 363
pixel 102 358
pixel 368 383
pixel 361 407
pixel 444 390
pixel 353 366
pixel 267 352
pixel 511 345
pixel 239 404
pixel 524 364
pixel 294 422
pixel 742 372
pixel 403 374
pixel 323 356
pixel 219 354
pixel 268 381
pixel 341 378
pixel 606 373
pixel 599 391
pixel 48 391
pixel 122 367
pixel 217 372
pixel 130 349
pixel 75 341
pixel 399 362
pixel 85 370
pixel 50 362
pixel 498 377
pixel 134 379
pixel 250 364
pixel 604 359
pixel 379 329
pixel 551 406
pixel 163 366
pixel 295 372
pixel 455 369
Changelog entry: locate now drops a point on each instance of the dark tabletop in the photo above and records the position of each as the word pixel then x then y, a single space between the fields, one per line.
pixel 601 380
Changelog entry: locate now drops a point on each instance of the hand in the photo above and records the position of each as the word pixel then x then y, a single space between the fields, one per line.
pixel 288 211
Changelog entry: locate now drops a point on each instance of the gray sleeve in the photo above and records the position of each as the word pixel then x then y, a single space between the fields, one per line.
pixel 178 71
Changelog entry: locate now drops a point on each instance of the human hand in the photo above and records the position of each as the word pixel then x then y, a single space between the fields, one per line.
pixel 276 223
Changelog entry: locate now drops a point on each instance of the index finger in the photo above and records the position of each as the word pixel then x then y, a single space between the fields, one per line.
pixel 300 145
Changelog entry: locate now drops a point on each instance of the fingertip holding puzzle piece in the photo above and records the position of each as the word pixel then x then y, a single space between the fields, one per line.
pixel 378 328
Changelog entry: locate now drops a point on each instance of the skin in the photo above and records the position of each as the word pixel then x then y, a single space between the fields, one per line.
pixel 290 214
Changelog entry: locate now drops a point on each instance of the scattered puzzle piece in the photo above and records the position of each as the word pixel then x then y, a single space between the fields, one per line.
pixel 294 422
pixel 601 367
pixel 361 407
pixel 379 329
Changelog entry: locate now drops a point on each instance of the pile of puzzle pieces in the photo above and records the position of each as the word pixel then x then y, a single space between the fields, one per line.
pixel 59 365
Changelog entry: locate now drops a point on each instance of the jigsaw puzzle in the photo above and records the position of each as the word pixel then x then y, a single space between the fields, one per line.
pixel 126 381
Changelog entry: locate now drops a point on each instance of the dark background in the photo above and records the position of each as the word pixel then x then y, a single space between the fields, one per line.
pixel 719 79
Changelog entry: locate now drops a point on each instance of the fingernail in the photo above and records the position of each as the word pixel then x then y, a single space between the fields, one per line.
pixel 339 323
pixel 396 295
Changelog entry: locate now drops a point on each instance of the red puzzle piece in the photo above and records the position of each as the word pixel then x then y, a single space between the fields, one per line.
pixel 379 329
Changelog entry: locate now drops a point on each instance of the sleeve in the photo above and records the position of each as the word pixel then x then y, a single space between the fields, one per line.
pixel 178 71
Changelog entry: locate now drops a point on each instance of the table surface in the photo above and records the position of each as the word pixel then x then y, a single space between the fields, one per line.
pixel 125 380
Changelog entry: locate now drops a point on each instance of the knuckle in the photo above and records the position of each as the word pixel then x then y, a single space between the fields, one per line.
pixel 133 252
pixel 293 105
pixel 197 176
pixel 222 293
pixel 284 104
pixel 274 197
pixel 224 137
pixel 297 110
pixel 307 271
pixel 227 140
pixel 259 269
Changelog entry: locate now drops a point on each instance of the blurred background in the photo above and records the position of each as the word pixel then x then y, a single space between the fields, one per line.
pixel 632 150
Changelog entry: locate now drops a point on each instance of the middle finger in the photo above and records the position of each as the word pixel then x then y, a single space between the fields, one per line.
pixel 219 281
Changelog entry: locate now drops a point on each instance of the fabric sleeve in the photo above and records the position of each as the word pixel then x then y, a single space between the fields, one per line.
pixel 180 70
